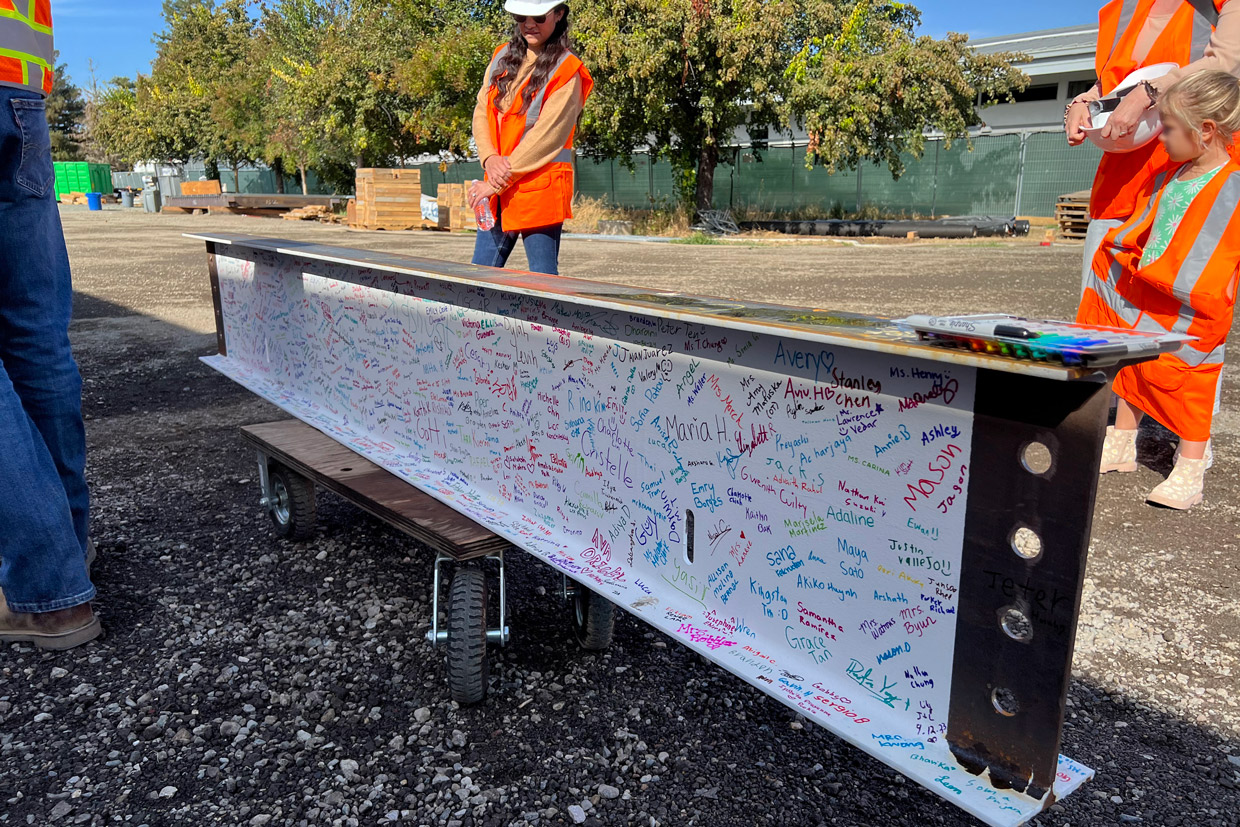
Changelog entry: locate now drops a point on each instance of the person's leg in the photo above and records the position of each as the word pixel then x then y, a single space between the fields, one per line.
pixel 44 501
pixel 1193 450
pixel 493 247
pixel 542 249
pixel 1127 416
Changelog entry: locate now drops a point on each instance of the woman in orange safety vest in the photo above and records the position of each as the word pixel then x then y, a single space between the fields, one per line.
pixel 1172 267
pixel 1196 35
pixel 524 123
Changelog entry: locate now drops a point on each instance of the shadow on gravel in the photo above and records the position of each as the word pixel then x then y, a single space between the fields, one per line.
pixel 133 363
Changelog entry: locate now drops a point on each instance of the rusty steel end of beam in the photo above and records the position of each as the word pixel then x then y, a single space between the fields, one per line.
pixel 1023 572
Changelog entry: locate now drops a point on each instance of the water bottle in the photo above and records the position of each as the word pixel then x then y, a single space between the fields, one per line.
pixel 482 211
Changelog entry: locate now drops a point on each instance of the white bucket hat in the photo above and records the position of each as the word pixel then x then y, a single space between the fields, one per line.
pixel 1148 128
pixel 531 8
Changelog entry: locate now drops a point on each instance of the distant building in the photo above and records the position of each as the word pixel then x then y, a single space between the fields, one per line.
pixel 1061 67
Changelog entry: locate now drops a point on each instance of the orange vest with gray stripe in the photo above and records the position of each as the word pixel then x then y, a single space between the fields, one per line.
pixel 1190 289
pixel 26 52
pixel 1121 175
pixel 543 197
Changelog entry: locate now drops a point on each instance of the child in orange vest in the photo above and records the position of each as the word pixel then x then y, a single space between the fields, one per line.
pixel 1172 267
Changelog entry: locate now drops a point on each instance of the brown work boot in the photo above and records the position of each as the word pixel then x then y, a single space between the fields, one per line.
pixel 62 629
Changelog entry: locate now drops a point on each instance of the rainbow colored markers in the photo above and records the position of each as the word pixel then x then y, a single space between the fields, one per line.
pixel 1014 337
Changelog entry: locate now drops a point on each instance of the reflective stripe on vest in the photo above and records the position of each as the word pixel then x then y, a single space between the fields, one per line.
pixel 1195 270
pixel 26 47
pixel 536 105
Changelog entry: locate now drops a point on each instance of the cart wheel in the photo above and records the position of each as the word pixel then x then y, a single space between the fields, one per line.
pixel 293 508
pixel 467 636
pixel 594 620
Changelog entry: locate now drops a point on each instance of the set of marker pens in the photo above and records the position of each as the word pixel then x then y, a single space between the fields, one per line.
pixel 1015 337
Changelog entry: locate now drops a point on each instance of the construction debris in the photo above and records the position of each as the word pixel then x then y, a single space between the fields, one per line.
pixel 313 212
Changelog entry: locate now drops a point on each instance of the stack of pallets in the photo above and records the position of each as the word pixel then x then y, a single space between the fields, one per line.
pixel 388 199
pixel 1072 215
pixel 454 198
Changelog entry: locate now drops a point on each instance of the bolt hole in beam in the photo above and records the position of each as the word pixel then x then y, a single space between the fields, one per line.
pixel 1005 701
pixel 345 470
pixel 689 535
pixel 1016 624
pixel 1026 543
pixel 1036 457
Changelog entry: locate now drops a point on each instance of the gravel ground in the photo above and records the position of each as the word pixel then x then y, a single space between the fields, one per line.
pixel 251 681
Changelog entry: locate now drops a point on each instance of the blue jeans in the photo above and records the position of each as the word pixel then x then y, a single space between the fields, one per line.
pixel 542 247
pixel 43 497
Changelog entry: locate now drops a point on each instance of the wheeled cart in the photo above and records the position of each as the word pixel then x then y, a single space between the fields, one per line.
pixel 294 458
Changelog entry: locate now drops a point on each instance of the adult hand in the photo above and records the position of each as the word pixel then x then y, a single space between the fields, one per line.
pixel 1124 119
pixel 1078 121
pixel 480 190
pixel 499 171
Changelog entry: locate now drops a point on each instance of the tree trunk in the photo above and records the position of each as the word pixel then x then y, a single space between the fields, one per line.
pixel 302 169
pixel 211 169
pixel 277 167
pixel 236 177
pixel 707 161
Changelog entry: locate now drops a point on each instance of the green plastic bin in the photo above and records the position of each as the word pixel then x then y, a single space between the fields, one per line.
pixel 80 176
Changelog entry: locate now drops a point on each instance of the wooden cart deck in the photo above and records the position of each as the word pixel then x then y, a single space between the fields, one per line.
pixel 371 488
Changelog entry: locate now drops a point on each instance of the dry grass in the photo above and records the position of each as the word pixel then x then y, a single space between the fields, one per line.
pixel 674 221
pixel 658 221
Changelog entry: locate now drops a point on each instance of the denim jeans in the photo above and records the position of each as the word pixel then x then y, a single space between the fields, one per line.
pixel 542 247
pixel 44 501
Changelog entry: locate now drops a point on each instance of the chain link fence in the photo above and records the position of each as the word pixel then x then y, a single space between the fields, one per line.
pixel 1011 174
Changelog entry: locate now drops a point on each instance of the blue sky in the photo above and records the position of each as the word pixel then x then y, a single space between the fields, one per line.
pixel 116 36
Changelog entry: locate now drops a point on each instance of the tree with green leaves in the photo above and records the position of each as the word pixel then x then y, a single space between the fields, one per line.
pixel 66 116
pixel 683 75
pixel 175 106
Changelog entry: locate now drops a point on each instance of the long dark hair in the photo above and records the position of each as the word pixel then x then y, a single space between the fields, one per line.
pixel 512 58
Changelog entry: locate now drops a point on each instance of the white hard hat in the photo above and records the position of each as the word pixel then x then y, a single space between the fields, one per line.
pixel 1148 128
pixel 531 8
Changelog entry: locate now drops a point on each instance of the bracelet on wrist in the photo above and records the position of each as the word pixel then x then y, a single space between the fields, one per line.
pixel 1150 92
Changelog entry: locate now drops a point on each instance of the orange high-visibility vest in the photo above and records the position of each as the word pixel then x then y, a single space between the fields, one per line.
pixel 26 52
pixel 543 197
pixel 1121 175
pixel 1191 289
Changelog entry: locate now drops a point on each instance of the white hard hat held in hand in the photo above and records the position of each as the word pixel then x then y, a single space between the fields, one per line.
pixel 531 8
pixel 1148 128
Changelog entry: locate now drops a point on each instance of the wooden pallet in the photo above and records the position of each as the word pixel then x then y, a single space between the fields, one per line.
pixel 1072 215
pixel 373 489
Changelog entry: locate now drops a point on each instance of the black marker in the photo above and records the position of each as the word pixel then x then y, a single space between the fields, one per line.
pixel 1015 332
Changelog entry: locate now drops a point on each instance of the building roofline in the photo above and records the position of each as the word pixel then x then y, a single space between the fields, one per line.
pixel 1022 37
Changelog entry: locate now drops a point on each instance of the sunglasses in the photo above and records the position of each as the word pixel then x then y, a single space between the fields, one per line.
pixel 521 18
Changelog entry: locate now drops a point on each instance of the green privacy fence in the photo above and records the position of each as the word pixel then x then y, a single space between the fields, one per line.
pixel 1010 174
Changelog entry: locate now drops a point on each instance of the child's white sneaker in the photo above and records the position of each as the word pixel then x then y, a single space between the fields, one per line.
pixel 1209 453
pixel 1119 451
pixel 1183 489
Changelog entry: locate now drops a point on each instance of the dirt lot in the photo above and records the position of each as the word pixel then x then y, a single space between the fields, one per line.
pixel 251 681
